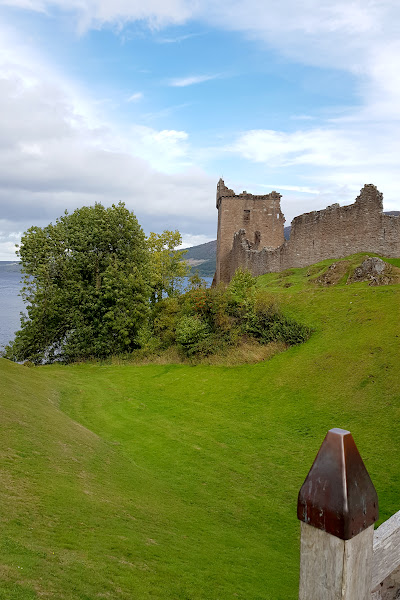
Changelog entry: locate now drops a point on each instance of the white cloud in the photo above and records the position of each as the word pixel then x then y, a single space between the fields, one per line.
pixel 57 153
pixel 177 39
pixel 333 163
pixel 189 240
pixel 319 32
pixel 165 150
pixel 317 147
pixel 8 241
pixel 191 80
pixel 135 97
pixel 91 14
pixel 291 188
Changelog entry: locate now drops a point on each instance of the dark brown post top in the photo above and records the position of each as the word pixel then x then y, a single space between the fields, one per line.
pixel 338 495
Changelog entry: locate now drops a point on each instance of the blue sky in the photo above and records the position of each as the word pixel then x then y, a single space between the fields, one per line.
pixel 150 103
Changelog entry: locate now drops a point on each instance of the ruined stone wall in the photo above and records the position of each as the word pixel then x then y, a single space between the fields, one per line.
pixel 334 232
pixel 260 216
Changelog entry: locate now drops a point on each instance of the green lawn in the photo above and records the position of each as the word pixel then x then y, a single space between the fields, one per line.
pixel 181 482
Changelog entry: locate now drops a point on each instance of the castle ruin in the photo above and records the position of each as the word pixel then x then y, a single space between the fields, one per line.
pixel 250 232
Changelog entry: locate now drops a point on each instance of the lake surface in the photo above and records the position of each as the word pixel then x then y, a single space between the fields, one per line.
pixel 11 303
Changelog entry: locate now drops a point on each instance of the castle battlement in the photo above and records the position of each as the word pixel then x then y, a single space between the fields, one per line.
pixel 260 216
pixel 250 232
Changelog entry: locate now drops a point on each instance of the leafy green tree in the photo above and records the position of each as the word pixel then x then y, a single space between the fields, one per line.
pixel 167 267
pixel 195 282
pixel 86 285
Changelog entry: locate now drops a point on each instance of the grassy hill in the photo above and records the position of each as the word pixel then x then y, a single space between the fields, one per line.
pixel 180 482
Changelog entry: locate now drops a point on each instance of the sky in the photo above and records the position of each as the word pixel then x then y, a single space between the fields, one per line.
pixel 150 103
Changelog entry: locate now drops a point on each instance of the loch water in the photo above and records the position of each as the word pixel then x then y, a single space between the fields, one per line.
pixel 11 303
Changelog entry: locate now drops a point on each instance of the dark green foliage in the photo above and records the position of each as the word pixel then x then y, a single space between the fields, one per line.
pixel 165 317
pixel 191 332
pixel 204 321
pixel 277 327
pixel 195 281
pixel 265 322
pixel 86 286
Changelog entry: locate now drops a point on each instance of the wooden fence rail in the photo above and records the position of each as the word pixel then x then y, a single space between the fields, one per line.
pixel 386 560
pixel 341 557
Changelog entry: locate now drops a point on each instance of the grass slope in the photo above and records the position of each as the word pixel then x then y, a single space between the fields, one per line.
pixel 181 482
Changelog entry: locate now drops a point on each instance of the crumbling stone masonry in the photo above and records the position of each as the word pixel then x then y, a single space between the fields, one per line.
pixel 250 232
pixel 260 216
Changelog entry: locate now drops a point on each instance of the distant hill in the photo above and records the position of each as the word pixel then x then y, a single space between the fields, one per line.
pixel 202 258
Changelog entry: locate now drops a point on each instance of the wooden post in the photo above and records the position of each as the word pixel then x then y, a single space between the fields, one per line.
pixel 338 506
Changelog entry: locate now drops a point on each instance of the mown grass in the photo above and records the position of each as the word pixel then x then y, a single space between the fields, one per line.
pixel 180 482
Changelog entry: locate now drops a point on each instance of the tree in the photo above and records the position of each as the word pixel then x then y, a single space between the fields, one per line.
pixel 167 267
pixel 86 285
pixel 195 282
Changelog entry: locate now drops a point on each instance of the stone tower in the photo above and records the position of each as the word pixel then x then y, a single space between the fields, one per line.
pixel 261 218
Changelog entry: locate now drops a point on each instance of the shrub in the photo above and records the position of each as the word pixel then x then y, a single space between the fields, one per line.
pixel 190 332
pixel 195 282
pixel 165 316
pixel 204 321
pixel 240 285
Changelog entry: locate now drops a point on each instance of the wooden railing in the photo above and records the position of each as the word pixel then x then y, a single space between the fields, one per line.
pixel 386 560
pixel 341 556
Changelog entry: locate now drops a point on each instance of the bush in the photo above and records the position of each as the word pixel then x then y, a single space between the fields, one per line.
pixel 165 316
pixel 191 331
pixel 291 332
pixel 240 286
pixel 204 321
